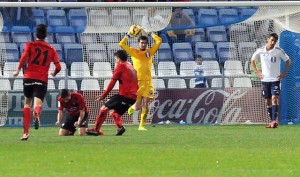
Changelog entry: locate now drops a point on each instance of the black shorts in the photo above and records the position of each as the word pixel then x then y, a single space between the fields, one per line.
pixel 70 120
pixel 34 88
pixel 119 103
pixel 270 88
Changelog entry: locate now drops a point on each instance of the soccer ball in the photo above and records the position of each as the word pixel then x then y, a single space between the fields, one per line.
pixel 135 30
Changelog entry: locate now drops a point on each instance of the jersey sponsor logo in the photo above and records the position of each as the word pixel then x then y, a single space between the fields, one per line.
pixel 32 83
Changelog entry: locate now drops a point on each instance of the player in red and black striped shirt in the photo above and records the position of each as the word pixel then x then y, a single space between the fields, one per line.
pixel 38 55
pixel 119 103
pixel 77 113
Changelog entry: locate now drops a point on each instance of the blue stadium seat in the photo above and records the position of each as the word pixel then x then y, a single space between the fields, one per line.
pixel 39 16
pixel 164 52
pixel 206 50
pixel 4 37
pixel 65 34
pixel 11 52
pixel 226 50
pixel 199 36
pixel 217 34
pixel 73 53
pixel 208 17
pixel 56 18
pixel 228 16
pixel 190 13
pixel 247 12
pixel 182 52
pixel 21 34
pixel 59 51
pixel 78 19
pixel 164 38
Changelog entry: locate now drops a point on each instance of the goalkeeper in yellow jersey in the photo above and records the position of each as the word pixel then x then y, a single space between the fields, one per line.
pixel 142 62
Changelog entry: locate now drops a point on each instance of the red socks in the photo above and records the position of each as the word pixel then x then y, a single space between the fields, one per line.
pixel 117 119
pixel 38 110
pixel 100 119
pixel 26 120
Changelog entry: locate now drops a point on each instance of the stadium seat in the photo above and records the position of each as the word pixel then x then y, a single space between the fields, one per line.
pixel 182 52
pixel 247 13
pixel 228 16
pixel 21 34
pixel 190 13
pixel 80 69
pixel 164 38
pixel 10 52
pixel 167 69
pixel 56 17
pixel 207 17
pixel 199 36
pixel 120 17
pixel 71 84
pixel 216 34
pixel 137 15
pixel 86 38
pixel 158 84
pixel 164 52
pixel 78 19
pixel 51 85
pixel 211 68
pixel 62 72
pixel 239 33
pixel 246 50
pixel 218 83
pixel 226 50
pixel 110 37
pixel 5 85
pixel 96 52
pixel 206 50
pixel 39 16
pixel 18 84
pixel 106 82
pixel 112 48
pixel 59 51
pixel 233 68
pixel 242 82
pixel 99 18
pixel 102 69
pixel 176 83
pixel 9 68
pixel 90 84
pixel 187 68
pixel 65 34
pixel 5 37
pixel 73 53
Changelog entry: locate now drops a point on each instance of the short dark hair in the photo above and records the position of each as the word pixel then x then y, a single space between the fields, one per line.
pixel 41 31
pixel 143 38
pixel 274 35
pixel 121 54
pixel 64 93
pixel 198 56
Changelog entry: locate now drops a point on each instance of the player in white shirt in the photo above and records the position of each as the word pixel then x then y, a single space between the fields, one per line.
pixel 270 75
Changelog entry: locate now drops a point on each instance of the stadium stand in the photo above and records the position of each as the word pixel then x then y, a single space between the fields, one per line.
pixel 21 34
pixel 80 69
pixel 242 82
pixel 5 85
pixel 73 53
pixel 187 68
pixel 11 52
pixel 182 52
pixel 77 19
pixel 9 68
pixel 217 34
pixel 233 68
pixel 106 82
pixel 218 83
pixel 71 84
pixel 120 17
pixel 206 50
pixel 165 53
pixel 246 50
pixel 207 17
pixel 159 84
pixel 226 50
pixel 90 84
pixel 65 34
pixel 56 17
pixel 102 69
pixel 96 53
pixel 228 16
pixel 176 83
pixel 167 69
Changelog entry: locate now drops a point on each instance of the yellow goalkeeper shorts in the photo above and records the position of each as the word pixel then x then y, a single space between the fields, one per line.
pixel 146 89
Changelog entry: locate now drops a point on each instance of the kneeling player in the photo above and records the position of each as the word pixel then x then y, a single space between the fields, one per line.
pixel 77 113
pixel 119 103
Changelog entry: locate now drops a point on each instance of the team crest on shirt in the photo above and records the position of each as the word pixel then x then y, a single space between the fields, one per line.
pixel 150 92
pixel 147 54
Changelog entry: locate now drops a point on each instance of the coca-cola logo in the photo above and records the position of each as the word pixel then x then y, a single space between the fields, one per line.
pixel 196 106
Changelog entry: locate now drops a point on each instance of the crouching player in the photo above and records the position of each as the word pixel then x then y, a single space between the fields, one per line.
pixel 119 103
pixel 77 113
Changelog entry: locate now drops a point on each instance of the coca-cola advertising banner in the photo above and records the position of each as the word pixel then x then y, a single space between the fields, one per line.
pixel 204 106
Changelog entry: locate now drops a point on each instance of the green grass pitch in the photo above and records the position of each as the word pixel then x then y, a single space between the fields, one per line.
pixel 164 151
